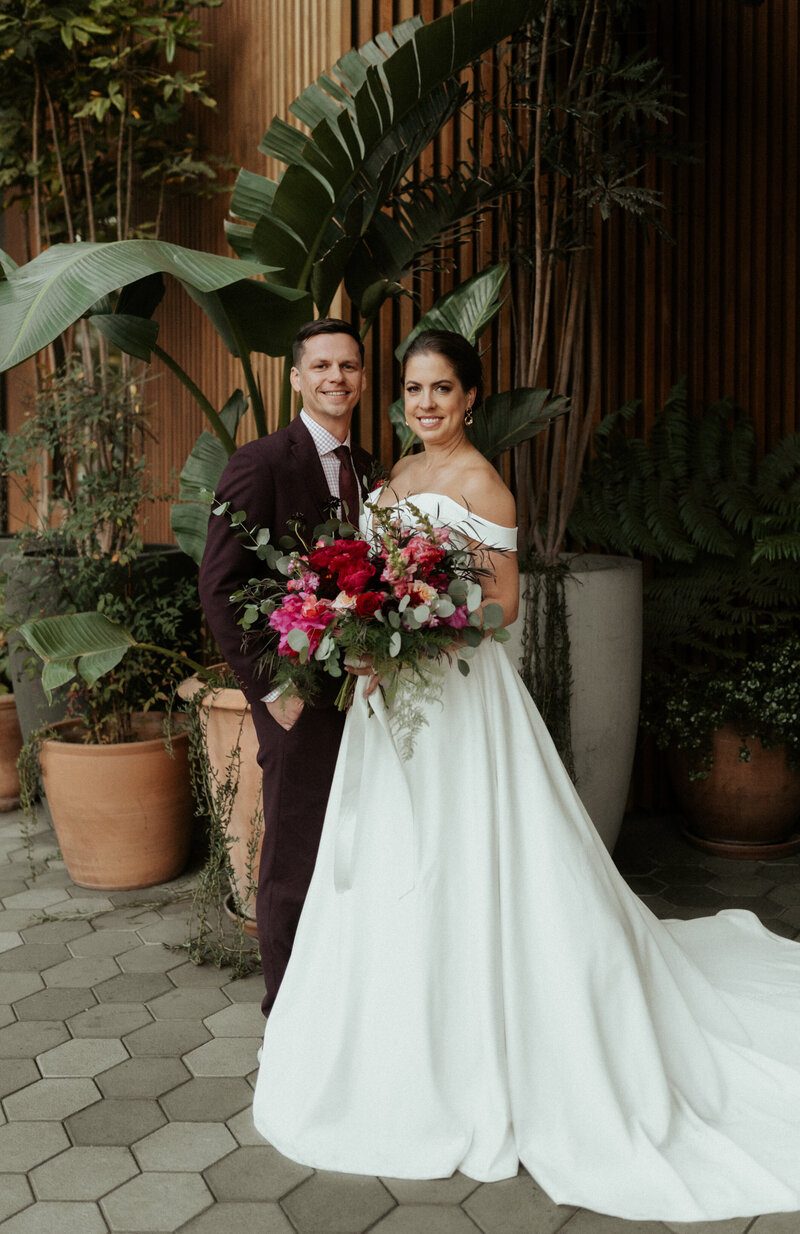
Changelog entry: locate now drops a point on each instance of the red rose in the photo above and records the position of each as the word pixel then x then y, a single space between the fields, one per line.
pixel 368 603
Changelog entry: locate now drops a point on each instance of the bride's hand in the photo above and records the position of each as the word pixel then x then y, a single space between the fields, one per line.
pixel 365 670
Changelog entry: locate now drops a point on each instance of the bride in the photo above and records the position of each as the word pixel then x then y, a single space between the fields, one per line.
pixel 473 985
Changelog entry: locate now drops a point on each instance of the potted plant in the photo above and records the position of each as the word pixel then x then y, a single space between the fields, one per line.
pixel 721 611
pixel 116 774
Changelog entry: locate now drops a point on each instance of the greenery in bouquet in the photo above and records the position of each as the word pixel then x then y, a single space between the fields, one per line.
pixel 397 602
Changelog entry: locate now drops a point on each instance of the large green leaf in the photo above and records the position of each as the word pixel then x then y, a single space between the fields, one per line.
pixel 89 643
pixel 505 420
pixel 38 301
pixel 468 309
pixel 7 265
pixel 370 117
pixel 199 479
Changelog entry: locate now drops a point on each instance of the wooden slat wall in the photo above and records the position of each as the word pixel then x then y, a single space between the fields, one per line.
pixel 720 306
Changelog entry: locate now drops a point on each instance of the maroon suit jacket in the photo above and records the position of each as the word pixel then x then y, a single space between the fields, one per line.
pixel 275 479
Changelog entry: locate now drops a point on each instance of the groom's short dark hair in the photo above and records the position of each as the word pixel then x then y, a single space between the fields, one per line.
pixel 323 325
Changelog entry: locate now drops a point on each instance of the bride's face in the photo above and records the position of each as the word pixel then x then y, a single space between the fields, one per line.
pixel 435 400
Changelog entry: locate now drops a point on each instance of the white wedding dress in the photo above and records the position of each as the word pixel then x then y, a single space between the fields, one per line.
pixel 474 985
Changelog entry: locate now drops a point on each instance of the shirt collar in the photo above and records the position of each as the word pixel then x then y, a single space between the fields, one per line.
pixel 325 442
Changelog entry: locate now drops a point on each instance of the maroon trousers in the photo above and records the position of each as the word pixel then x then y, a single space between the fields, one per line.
pixel 298 769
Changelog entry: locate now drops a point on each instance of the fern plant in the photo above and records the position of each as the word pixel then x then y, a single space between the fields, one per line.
pixel 723 529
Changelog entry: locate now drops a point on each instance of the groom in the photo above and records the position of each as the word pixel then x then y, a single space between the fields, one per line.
pixel 300 473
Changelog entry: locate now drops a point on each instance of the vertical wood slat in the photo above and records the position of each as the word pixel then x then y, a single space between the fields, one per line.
pixel 721 306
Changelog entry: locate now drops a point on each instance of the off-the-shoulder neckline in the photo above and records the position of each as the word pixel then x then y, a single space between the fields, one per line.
pixel 412 497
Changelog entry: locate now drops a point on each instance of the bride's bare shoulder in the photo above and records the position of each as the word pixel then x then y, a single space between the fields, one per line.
pixel 487 496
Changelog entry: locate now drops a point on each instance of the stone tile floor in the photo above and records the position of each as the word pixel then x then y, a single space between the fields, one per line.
pixel 126 1072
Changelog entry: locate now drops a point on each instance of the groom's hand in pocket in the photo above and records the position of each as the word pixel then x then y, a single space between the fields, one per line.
pixel 285 710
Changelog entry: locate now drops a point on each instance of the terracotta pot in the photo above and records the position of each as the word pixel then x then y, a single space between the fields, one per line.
pixel 230 734
pixel 746 810
pixel 10 746
pixel 122 813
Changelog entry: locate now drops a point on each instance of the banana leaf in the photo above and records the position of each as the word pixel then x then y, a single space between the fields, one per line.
pixel 506 420
pixel 199 478
pixel 88 643
pixel 39 300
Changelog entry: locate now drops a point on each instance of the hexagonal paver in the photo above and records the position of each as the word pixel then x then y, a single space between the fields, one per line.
pixel 86 1056
pixel 81 973
pixel 243 1218
pixel 337 1203
pixel 24 1040
pixel 143 1077
pixel 585 1222
pixel 33 957
pixel 132 988
pixel 105 943
pixel 188 974
pixel 133 918
pixel 15 1193
pixel 53 1004
pixel 187 1004
pixel 786 894
pixel 246 989
pixel 83 1173
pixel 254 1174
pixel 16 1073
pixel 182 1147
pixel 10 939
pixel 56 931
pixel 110 1020
pixel 208 1097
pixel 74 904
pixel 166 1038
pixel 115 1121
pixel 149 958
pixel 165 931
pixel 425 1219
pixel 19 985
pixel 239 1020
pixel 224 1056
pixel 67 1218
pixel 6 1015
pixel 24 1145
pixel 38 898
pixel 515 1206
pixel 156 1202
pixel 736 1225
pixel 243 1127
pixel 51 1099
pixel 431 1190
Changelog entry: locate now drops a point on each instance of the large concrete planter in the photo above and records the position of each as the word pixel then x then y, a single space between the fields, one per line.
pixel 604 619
pixel 122 812
pixel 232 748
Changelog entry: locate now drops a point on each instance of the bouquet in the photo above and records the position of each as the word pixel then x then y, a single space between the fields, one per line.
pixel 396 603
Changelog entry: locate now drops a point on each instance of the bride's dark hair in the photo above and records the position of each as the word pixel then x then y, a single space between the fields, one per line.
pixel 455 348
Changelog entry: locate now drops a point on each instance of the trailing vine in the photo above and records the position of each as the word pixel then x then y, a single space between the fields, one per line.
pixel 209 927
pixel 29 770
pixel 546 664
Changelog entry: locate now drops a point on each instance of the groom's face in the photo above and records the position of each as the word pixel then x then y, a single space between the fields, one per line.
pixel 330 379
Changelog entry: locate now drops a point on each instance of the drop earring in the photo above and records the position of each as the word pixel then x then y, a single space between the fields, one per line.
pixel 468 417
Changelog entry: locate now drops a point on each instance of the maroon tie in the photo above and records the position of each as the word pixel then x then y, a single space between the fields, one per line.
pixel 348 486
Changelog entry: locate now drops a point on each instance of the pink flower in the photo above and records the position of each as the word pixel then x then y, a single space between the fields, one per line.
pixel 301 612
pixel 458 619
pixel 423 552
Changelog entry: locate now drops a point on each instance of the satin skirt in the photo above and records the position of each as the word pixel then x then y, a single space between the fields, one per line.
pixel 473 985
